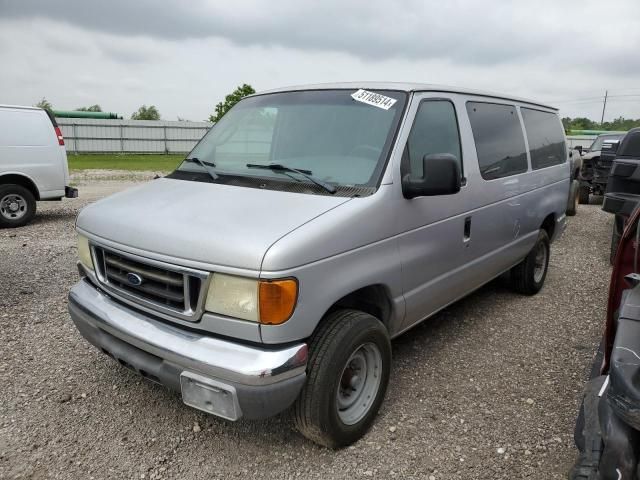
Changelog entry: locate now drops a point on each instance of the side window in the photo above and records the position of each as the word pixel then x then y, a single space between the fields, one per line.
pixel 499 139
pixel 630 145
pixel 546 139
pixel 434 130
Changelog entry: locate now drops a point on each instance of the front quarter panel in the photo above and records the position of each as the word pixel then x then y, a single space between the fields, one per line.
pixel 346 249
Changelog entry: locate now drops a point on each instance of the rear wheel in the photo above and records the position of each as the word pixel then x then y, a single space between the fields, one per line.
pixel 347 377
pixel 583 195
pixel 528 276
pixel 17 206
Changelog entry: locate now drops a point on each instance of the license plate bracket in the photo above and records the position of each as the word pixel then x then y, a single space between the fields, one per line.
pixel 210 396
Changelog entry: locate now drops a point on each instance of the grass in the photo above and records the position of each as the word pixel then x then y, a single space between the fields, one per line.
pixel 132 162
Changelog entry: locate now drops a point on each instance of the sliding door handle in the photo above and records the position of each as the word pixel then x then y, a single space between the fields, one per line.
pixel 467 229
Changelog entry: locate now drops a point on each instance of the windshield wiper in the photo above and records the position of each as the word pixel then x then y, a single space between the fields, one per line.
pixel 277 167
pixel 206 165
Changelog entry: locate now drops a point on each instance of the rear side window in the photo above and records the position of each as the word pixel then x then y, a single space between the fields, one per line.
pixel 434 130
pixel 25 128
pixel 546 140
pixel 499 139
pixel 630 145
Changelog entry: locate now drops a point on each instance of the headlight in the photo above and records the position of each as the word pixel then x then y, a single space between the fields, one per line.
pixel 233 296
pixel 84 253
pixel 267 302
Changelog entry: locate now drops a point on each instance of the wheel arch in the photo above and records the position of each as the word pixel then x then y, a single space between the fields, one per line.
pixel 373 299
pixel 22 180
pixel 549 225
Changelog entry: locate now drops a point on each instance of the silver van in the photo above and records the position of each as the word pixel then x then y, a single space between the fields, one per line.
pixel 308 228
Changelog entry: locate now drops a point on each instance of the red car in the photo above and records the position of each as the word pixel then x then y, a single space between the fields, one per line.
pixel 608 427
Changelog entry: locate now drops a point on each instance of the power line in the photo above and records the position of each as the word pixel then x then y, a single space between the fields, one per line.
pixel 594 102
pixel 593 99
pixel 576 99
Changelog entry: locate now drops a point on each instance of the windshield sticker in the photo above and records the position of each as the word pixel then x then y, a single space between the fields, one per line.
pixel 375 99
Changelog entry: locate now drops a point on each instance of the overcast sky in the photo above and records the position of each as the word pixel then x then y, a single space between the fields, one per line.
pixel 185 56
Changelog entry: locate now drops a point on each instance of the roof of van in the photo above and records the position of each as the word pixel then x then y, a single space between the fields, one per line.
pixel 23 107
pixel 406 87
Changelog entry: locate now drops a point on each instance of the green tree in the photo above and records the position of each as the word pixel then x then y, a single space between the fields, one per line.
pixel 582 123
pixel 92 108
pixel 146 113
pixel 44 103
pixel 621 123
pixel 230 100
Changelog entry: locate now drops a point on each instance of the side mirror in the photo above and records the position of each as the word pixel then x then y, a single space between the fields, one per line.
pixel 579 148
pixel 441 176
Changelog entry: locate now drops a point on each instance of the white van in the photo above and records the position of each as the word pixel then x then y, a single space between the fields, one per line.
pixel 33 163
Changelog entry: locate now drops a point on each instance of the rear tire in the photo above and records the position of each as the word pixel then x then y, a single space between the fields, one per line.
pixel 528 276
pixel 572 206
pixel 347 377
pixel 17 206
pixel 583 195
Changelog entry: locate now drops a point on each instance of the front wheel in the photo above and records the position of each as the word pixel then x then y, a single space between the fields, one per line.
pixel 583 195
pixel 528 276
pixel 347 377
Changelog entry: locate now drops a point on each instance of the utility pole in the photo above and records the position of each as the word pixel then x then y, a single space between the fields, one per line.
pixel 606 94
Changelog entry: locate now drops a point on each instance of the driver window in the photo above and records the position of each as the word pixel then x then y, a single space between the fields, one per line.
pixel 434 130
pixel 251 143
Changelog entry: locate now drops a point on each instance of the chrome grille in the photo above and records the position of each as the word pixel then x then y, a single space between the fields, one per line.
pixel 163 287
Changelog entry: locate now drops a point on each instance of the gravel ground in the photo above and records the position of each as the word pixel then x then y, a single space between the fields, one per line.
pixel 488 388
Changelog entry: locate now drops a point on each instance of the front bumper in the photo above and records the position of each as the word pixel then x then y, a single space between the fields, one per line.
pixel 254 382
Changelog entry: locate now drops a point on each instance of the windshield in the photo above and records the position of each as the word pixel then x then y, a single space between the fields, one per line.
pixel 597 143
pixel 326 133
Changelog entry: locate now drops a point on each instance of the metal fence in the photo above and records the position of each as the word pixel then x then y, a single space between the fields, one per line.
pixel 82 135
pixel 582 140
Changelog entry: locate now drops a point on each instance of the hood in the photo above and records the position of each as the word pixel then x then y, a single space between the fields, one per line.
pixel 202 222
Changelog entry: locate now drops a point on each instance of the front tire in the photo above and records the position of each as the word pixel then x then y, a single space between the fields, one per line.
pixel 528 276
pixel 17 206
pixel 583 195
pixel 347 377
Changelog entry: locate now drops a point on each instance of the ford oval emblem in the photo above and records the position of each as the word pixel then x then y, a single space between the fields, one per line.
pixel 134 279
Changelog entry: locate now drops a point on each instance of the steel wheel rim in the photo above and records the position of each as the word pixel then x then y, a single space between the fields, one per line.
pixel 541 262
pixel 359 383
pixel 13 206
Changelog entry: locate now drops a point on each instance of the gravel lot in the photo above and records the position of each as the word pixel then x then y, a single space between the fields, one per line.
pixel 488 388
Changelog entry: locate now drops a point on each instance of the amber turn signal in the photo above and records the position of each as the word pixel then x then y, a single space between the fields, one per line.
pixel 277 300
